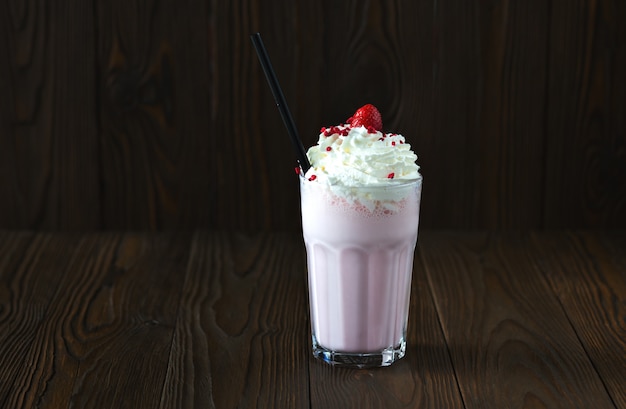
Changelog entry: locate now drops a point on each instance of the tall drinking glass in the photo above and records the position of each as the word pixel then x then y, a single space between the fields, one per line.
pixel 360 243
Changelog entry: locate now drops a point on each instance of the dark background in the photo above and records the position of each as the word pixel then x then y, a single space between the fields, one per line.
pixel 156 114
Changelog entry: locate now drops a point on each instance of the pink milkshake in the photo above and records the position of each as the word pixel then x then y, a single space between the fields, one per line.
pixel 360 213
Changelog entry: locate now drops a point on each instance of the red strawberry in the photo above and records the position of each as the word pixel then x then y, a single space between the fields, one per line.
pixel 367 116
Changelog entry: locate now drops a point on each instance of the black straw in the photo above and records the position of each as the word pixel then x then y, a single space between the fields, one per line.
pixel 280 101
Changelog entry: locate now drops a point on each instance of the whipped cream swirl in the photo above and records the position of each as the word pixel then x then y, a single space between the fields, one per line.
pixel 348 156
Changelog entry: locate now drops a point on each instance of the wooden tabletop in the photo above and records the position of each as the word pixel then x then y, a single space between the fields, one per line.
pixel 220 320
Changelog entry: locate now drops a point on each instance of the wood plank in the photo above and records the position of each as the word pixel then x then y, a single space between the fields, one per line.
pixel 156 115
pixel 511 343
pixel 241 141
pixel 585 180
pixel 123 331
pixel 156 105
pixel 49 375
pixel 588 273
pixel 14 247
pixel 242 328
pixel 456 90
pixel 188 382
pixel 107 322
pixel 48 128
pixel 122 326
pixel 489 97
pixel 221 320
pixel 424 378
pixel 250 145
pixel 29 280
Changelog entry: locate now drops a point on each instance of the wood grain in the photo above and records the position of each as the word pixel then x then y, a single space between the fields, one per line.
pixel 245 146
pixel 87 336
pixel 243 318
pixel 585 176
pixel 48 129
pixel 489 114
pixel 588 274
pixel 507 349
pixel 155 108
pixel 155 115
pixel 124 329
pixel 14 247
pixel 29 289
pixel 220 320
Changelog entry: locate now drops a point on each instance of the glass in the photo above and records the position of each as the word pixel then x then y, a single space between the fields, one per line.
pixel 360 243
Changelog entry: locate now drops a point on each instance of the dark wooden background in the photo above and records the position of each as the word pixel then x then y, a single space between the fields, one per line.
pixel 156 115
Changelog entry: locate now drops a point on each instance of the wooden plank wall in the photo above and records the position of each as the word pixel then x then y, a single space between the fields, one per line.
pixel 156 115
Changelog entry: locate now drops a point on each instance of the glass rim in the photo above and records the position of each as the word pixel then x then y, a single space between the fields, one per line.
pixel 400 183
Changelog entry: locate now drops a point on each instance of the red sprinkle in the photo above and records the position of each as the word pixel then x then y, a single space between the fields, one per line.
pixel 312 178
pixel 393 143
pixel 391 175
pixel 297 169
pixel 328 149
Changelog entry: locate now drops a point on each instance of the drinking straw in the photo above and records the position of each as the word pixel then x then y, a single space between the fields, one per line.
pixel 281 103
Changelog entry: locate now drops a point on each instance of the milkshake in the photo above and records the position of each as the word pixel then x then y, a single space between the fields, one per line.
pixel 360 213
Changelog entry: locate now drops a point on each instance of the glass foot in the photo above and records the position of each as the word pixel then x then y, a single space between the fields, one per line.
pixel 385 357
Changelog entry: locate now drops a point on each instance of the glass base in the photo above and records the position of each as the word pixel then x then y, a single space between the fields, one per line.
pixel 385 357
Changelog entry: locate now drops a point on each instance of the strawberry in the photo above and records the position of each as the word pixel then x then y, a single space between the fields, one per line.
pixel 367 116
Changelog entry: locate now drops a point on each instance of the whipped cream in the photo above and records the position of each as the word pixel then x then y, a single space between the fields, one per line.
pixel 349 157
pixel 349 160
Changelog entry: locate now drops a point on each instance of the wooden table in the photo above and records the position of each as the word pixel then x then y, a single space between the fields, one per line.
pixel 213 319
